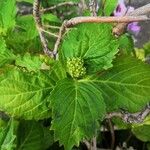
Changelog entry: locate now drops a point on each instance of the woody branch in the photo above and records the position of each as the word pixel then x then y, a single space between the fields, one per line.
pixel 137 15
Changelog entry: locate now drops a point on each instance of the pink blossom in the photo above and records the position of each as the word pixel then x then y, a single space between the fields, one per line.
pixel 134 27
pixel 121 10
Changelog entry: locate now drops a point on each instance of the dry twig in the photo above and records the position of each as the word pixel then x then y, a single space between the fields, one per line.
pixel 131 118
pixel 36 14
pixel 132 17
pixel 78 20
pixel 119 29
pixel 93 7
pixel 49 33
pixel 61 32
pixel 51 27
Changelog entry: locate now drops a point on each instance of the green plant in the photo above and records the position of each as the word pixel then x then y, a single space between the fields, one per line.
pixel 64 96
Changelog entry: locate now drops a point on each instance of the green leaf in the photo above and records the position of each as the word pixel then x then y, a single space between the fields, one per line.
pixel 32 136
pixel 120 124
pixel 50 17
pixel 24 35
pixel 7 15
pixel 25 38
pixel 8 136
pixel 2 123
pixel 126 44
pixel 94 43
pixel 26 28
pixel 126 86
pixel 6 55
pixel 25 95
pixel 140 54
pixel 108 7
pixel 147 48
pixel 31 63
pixel 142 132
pixel 76 108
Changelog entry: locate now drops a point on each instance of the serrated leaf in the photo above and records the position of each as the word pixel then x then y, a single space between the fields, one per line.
pixel 25 95
pixel 31 63
pixel 76 108
pixel 7 15
pixel 5 54
pixel 126 86
pixel 8 136
pixel 31 136
pixel 92 42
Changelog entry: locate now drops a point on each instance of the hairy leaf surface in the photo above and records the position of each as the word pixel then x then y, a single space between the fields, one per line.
pixel 92 42
pixel 126 86
pixel 25 95
pixel 76 108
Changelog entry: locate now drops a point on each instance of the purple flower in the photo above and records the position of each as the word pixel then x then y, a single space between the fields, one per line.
pixel 121 10
pixel 134 27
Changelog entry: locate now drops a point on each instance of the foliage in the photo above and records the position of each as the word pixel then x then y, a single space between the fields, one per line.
pixel 44 100
pixel 7 15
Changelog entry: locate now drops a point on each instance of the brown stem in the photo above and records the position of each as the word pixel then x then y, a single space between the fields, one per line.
pixel 77 20
pixel 129 117
pixel 119 29
pixel 61 32
pixel 37 18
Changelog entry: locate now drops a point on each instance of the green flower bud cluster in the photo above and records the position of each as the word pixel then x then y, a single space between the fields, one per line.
pixel 76 67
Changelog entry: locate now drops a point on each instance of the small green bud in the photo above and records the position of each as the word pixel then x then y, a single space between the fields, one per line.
pixel 76 67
